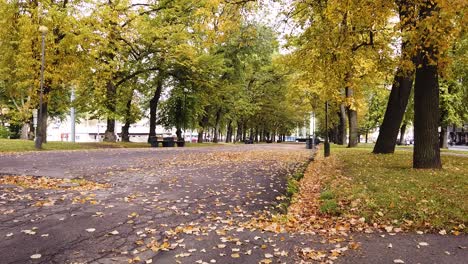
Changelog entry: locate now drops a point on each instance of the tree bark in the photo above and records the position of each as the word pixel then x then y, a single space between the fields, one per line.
pixel 401 141
pixel 426 118
pixel 216 128
pixel 179 134
pixel 352 119
pixel 341 139
pixel 128 120
pixel 111 91
pixel 125 132
pixel 154 107
pixel 426 152
pixel 443 137
pixel 239 131
pixel 398 100
pixel 229 132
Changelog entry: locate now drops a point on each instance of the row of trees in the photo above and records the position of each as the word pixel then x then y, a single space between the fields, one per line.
pixel 211 65
pixel 350 51
pixel 206 65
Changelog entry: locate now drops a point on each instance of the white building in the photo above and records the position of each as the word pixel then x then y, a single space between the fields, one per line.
pixel 87 130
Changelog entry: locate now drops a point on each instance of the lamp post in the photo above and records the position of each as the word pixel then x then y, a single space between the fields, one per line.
pixel 72 114
pixel 326 144
pixel 40 119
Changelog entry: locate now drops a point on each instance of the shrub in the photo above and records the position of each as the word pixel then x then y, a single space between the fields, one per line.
pixel 4 132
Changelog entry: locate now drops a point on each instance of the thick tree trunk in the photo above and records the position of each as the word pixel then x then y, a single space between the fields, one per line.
pixel 394 113
pixel 426 106
pixel 401 141
pixel 154 107
pixel 426 118
pixel 401 90
pixel 352 119
pixel 341 139
pixel 111 91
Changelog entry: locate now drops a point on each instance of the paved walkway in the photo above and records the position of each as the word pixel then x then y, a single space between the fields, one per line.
pixel 183 205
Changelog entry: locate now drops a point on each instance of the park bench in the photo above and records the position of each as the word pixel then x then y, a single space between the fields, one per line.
pixel 249 141
pixel 166 142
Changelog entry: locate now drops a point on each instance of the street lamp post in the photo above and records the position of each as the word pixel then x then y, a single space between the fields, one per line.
pixel 327 144
pixel 40 119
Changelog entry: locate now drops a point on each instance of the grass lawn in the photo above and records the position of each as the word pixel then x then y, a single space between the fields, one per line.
pixel 385 189
pixel 17 145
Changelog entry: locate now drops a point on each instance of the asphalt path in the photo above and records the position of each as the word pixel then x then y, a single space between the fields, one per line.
pixel 180 205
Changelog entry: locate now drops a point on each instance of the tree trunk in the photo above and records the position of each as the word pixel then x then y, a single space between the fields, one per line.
pixel 179 134
pixel 216 128
pixel 352 119
pixel 25 131
pixel 367 136
pixel 443 137
pixel 341 139
pixel 229 132
pixel 125 132
pixel 396 107
pixel 154 107
pixel 401 141
pixel 426 107
pixel 128 120
pixel 244 131
pixel 111 91
pixel 239 132
pixel 32 132
pixel 398 100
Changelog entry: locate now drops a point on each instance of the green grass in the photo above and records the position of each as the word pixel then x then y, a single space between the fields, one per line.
pixel 17 145
pixel 370 146
pixel 384 188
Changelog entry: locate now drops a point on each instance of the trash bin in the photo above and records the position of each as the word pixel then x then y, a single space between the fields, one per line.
pixel 168 142
pixel 154 142
pixel 309 143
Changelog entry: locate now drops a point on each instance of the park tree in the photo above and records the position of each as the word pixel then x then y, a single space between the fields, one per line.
pixel 402 83
pixel 21 58
pixel 437 27
pixel 342 46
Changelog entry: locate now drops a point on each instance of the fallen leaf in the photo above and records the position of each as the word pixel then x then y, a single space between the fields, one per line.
pixel 36 256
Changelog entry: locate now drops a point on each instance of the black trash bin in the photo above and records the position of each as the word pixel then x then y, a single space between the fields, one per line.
pixel 168 142
pixel 180 143
pixel 309 143
pixel 154 142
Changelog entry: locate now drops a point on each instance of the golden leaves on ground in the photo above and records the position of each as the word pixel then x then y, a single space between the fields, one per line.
pixel 33 182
